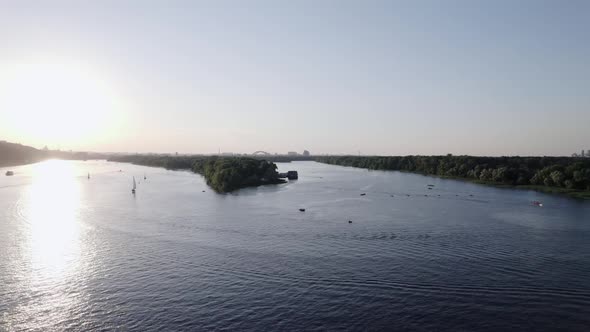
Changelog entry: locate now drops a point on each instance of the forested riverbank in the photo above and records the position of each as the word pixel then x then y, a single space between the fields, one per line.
pixel 223 174
pixel 564 175
pixel 14 154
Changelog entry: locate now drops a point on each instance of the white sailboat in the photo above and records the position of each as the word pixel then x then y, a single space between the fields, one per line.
pixel 134 186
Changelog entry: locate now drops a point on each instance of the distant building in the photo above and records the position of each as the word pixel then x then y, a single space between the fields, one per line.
pixel 583 155
pixel 292 153
pixel 306 153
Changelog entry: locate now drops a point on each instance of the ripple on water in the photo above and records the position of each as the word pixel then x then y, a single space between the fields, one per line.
pixel 174 258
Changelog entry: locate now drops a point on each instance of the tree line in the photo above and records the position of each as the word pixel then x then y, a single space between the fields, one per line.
pixel 13 154
pixel 563 172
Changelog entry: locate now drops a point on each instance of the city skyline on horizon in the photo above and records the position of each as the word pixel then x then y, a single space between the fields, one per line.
pixel 299 153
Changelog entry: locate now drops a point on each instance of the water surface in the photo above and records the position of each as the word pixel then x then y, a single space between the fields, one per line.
pixel 84 254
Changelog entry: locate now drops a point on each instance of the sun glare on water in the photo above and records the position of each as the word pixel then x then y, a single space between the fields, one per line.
pixel 56 103
pixel 52 246
pixel 52 215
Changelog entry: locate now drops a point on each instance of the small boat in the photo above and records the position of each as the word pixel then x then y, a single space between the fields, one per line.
pixel 363 194
pixel 350 221
pixel 88 176
pixel 537 203
pixel 144 177
pixel 9 173
pixel 429 188
pixel 134 186
pixel 302 210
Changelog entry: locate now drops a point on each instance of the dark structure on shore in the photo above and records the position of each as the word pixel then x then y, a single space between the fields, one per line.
pixel 291 175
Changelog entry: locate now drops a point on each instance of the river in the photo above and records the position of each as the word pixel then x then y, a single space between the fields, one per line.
pixel 85 254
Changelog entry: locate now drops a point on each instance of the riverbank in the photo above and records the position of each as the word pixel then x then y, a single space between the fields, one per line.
pixel 579 194
pixel 572 193
pixel 553 175
pixel 13 154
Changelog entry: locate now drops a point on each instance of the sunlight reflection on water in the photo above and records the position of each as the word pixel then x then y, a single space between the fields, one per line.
pixel 54 201
pixel 52 241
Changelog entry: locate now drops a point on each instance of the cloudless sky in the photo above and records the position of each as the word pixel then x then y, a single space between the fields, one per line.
pixel 379 77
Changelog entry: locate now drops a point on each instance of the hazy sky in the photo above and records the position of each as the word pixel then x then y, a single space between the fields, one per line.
pixel 379 77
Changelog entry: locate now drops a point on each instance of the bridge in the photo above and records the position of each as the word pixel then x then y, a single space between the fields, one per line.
pixel 261 153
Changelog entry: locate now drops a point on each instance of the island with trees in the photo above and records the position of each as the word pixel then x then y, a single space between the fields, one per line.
pixel 223 174
pixel 565 175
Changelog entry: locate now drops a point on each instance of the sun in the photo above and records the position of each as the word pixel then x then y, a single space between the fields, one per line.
pixel 55 103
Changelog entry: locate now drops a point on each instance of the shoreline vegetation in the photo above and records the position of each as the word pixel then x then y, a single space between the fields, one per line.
pixel 14 154
pixel 222 174
pixel 555 175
